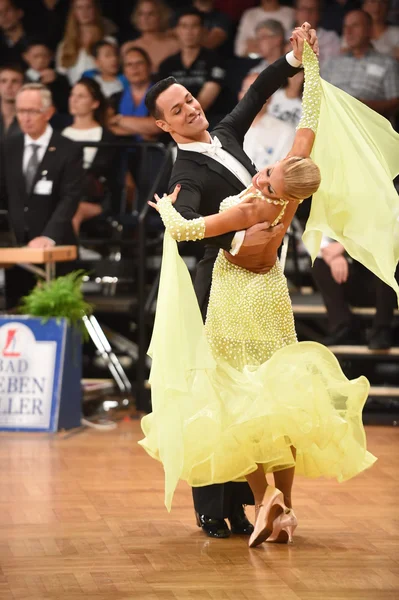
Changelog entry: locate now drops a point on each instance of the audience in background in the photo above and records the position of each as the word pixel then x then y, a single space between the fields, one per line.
pixel 45 19
pixel 84 28
pixel 343 282
pixel 12 33
pixel 152 19
pixel 384 37
pixel 270 39
pixel 362 72
pixel 88 107
pixel 246 42
pixel 217 25
pixel 329 41
pixel 234 8
pixel 334 12
pixel 197 68
pixel 11 81
pixel 132 118
pixel 286 103
pixel 41 182
pixel 107 72
pixel 38 57
pixel 268 140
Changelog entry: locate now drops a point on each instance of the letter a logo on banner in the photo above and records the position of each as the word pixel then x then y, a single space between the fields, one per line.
pixel 10 344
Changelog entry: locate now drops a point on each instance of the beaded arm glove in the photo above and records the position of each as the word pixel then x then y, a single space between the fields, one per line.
pixel 181 229
pixel 312 91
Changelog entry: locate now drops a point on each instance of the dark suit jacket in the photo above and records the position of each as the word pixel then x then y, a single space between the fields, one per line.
pixel 32 215
pixel 205 182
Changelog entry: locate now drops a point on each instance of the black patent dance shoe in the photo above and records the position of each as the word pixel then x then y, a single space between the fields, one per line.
pixel 239 523
pixel 216 528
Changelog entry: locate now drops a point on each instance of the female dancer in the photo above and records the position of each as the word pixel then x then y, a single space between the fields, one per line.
pixel 243 398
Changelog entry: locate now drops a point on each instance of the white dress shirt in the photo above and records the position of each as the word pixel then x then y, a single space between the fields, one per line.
pixel 43 142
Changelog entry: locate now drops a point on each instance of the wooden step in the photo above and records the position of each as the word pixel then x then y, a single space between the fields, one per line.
pixel 363 352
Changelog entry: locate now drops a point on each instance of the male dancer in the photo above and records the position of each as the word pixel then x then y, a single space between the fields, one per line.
pixel 209 168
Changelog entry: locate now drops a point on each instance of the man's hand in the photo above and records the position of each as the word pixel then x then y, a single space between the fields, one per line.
pixel 257 237
pixel 41 242
pixel 332 251
pixel 339 269
pixel 298 37
pixel 48 76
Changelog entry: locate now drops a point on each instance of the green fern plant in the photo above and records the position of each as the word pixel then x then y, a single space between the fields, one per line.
pixel 60 298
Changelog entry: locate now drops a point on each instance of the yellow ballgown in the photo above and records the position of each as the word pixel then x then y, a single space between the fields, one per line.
pixel 240 391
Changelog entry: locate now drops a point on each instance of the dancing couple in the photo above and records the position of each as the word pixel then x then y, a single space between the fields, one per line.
pixel 239 397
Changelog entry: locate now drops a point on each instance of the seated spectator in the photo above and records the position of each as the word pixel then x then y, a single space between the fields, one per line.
pixel 384 37
pixel 151 19
pixel 334 12
pixel 329 41
pixel 11 81
pixel 41 182
pixel 12 33
pixel 268 140
pixel 38 57
pixel 364 73
pixel 342 282
pixel 246 42
pixel 217 25
pixel 107 72
pixel 132 118
pixel 88 107
pixel 195 67
pixel 270 39
pixel 286 103
pixel 84 28
pixel 45 19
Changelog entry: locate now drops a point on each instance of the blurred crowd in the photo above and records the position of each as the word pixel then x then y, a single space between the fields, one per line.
pixel 98 58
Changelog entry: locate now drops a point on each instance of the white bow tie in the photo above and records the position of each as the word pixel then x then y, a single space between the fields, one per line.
pixel 214 146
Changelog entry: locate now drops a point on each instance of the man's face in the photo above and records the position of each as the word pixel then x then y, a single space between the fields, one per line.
pixel 268 42
pixel 38 57
pixel 10 84
pixel 378 9
pixel 189 31
pixel 356 30
pixel 181 113
pixel 135 68
pixel 108 60
pixel 307 10
pixel 10 16
pixel 32 117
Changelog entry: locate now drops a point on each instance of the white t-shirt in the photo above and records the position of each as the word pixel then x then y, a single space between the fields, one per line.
pixel 253 16
pixel 85 135
pixel 109 88
pixel 268 141
pixel 285 109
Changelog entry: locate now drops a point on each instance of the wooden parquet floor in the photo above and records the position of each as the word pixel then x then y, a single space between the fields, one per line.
pixel 82 517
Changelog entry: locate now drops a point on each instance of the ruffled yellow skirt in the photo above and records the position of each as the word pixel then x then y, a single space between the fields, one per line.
pixel 242 390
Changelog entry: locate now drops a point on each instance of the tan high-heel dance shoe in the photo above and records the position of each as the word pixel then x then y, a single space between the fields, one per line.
pixel 272 505
pixel 284 526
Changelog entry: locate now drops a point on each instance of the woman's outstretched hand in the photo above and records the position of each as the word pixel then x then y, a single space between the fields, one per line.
pixel 171 197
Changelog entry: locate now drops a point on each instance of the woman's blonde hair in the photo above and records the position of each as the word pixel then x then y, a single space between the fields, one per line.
pixel 301 177
pixel 71 44
pixel 163 11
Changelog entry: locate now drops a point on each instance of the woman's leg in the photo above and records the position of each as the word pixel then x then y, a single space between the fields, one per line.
pixel 284 479
pixel 258 483
pixel 86 210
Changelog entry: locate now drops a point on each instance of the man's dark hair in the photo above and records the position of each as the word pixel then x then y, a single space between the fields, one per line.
pixel 190 12
pixel 102 44
pixel 153 94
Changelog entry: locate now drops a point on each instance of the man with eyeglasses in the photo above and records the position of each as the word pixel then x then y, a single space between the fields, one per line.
pixel 41 183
